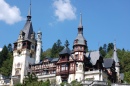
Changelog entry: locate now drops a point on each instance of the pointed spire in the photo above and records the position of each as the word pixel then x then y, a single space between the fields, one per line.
pixel 115 57
pixel 115 45
pixel 29 13
pixel 80 22
pixel 80 27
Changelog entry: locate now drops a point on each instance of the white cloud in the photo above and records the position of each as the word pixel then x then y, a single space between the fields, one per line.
pixel 9 14
pixel 0 49
pixel 64 10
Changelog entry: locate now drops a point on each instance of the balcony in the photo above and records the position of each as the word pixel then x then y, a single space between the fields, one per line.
pixel 94 72
pixel 71 71
pixel 64 72
pixel 47 76
pixel 94 83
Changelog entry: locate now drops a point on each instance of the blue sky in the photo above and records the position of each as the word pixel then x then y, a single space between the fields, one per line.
pixel 103 21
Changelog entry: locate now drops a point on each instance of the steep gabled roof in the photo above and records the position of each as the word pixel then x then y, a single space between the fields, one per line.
pixel 28 28
pixel 108 62
pixel 54 60
pixel 66 50
pixel 49 58
pixel 80 40
pixel 93 56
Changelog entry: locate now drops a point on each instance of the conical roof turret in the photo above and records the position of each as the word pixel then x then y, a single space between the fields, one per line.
pixel 28 28
pixel 80 40
pixel 115 57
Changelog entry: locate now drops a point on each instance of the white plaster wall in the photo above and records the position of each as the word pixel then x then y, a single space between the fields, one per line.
pixel 38 52
pixel 46 77
pixel 118 73
pixel 79 76
pixel 94 76
pixel 71 78
pixel 24 59
pixel 117 70
pixel 79 72
pixel 97 75
pixel 58 80
pixel 19 59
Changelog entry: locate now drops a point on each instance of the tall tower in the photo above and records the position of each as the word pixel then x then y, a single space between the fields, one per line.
pixel 117 65
pixel 39 46
pixel 79 48
pixel 24 51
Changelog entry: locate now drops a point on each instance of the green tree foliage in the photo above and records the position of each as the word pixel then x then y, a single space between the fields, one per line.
pixel 46 53
pixel 56 48
pixel 127 77
pixel 102 51
pixel 6 60
pixel 3 55
pixel 67 43
pixel 6 67
pixel 125 62
pixel 110 47
pixel 75 83
pixel 124 58
pixel 106 51
pixel 59 45
pixel 32 80
pixel 10 48
pixel 109 54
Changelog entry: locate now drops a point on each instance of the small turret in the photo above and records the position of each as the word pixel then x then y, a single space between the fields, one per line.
pixel 80 40
pixel 39 46
pixel 117 65
pixel 115 57
pixel 24 51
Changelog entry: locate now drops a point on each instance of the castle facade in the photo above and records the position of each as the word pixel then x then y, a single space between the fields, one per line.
pixel 76 64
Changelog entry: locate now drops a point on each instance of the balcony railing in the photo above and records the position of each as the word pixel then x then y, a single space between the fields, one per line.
pixel 47 76
pixel 94 72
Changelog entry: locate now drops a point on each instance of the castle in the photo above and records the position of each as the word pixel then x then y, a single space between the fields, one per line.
pixel 76 64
